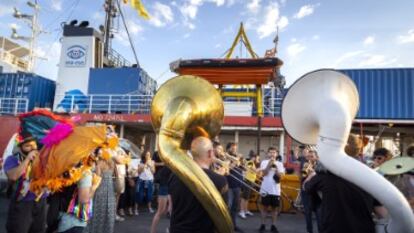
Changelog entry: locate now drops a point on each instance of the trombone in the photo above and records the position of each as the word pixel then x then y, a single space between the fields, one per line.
pixel 226 164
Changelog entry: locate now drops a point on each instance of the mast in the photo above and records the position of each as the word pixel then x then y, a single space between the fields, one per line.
pixel 32 21
pixel 110 10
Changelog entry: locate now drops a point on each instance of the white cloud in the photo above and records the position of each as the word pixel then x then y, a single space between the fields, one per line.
pixel 375 60
pixel 134 29
pixel 14 25
pixel 295 49
pixel 162 15
pixel 5 10
pixel 408 38
pixel 98 16
pixel 369 40
pixel 347 56
pixel 217 45
pixel 363 59
pixel 254 6
pixel 304 11
pixel 219 2
pixel 271 21
pixel 189 9
pixel 186 35
pixel 56 5
pixel 316 37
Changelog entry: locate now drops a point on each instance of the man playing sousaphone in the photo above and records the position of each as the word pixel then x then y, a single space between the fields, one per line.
pixel 188 214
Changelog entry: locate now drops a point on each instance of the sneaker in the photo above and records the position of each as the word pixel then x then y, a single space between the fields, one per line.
pixel 249 213
pixel 121 212
pixel 119 218
pixel 151 210
pixel 274 229
pixel 130 213
pixel 262 228
pixel 136 213
pixel 242 215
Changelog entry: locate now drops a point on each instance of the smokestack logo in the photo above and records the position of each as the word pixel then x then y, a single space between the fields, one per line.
pixel 76 56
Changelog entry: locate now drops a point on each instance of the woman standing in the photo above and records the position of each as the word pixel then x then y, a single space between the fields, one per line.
pixel 103 219
pixel 145 185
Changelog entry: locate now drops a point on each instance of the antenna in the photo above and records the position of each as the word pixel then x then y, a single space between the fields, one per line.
pixel 276 40
pixel 36 30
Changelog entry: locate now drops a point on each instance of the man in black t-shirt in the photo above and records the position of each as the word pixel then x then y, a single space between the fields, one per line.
pixel 345 208
pixel 188 215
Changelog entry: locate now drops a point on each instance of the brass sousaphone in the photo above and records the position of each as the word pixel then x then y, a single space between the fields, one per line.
pixel 183 108
pixel 318 110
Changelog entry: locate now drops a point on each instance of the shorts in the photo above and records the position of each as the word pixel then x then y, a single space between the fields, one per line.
pixel 271 200
pixel 245 191
pixel 163 191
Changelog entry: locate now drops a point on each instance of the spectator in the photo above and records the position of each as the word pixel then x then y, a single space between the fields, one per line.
pixel 145 185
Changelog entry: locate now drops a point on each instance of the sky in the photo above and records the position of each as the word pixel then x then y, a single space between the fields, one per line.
pixel 312 34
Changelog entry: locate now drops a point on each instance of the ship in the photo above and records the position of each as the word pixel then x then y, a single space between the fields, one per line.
pixel 98 85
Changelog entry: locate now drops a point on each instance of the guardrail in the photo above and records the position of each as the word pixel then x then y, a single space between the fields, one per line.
pixel 13 106
pixel 126 104
pixel 141 104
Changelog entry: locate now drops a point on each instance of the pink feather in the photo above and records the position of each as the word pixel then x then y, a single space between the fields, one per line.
pixel 57 134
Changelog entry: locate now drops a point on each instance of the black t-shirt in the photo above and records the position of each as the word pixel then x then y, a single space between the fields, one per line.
pixel 235 177
pixel 188 215
pixel 345 207
pixel 164 175
pixel 157 159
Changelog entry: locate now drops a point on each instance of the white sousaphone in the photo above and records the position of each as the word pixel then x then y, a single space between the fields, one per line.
pixel 318 110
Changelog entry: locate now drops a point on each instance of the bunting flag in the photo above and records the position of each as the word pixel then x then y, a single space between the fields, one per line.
pixel 137 5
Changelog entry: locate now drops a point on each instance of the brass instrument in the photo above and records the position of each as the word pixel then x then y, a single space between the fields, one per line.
pixel 186 107
pixel 254 186
pixel 308 168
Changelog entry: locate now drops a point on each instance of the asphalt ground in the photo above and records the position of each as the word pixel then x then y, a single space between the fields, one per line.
pixel 287 223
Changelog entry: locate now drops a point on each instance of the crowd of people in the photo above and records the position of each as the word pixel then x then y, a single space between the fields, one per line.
pixel 113 188
pixel 338 205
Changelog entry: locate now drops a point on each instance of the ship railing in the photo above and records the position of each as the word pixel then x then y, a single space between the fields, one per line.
pixel 122 104
pixel 273 106
pixel 13 60
pixel 117 60
pixel 141 104
pixel 13 106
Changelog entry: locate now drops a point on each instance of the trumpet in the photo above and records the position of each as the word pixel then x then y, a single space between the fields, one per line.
pixel 308 168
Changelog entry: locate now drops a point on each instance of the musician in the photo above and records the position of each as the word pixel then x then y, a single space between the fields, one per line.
pixel 223 168
pixel 309 203
pixel 380 156
pixel 249 178
pixel 25 213
pixel 301 154
pixel 272 171
pixel 188 215
pixel 234 180
pixel 345 208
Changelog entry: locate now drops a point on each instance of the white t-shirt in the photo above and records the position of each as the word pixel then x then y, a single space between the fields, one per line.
pixel 269 186
pixel 146 174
